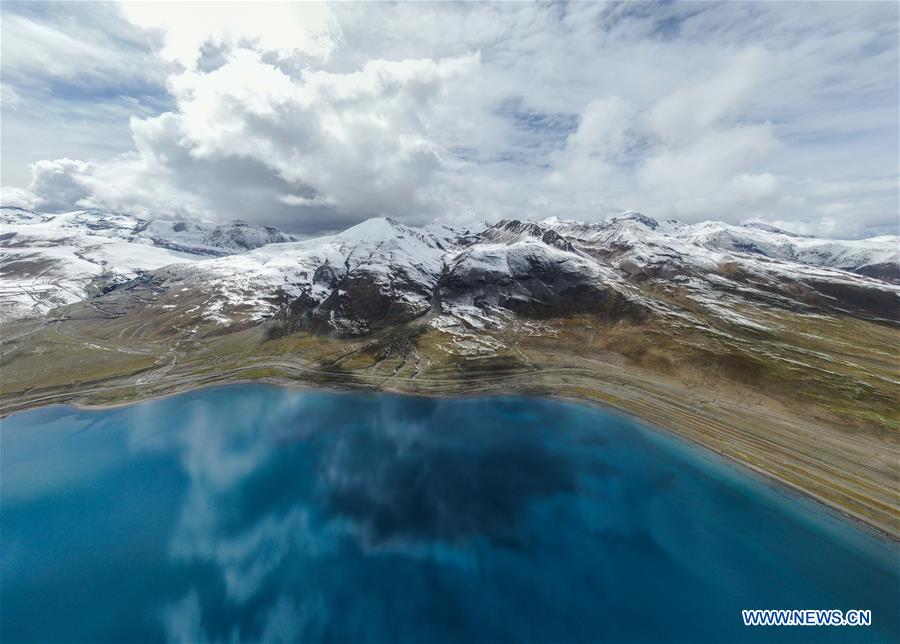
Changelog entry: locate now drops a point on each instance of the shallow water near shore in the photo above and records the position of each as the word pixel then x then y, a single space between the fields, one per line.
pixel 260 513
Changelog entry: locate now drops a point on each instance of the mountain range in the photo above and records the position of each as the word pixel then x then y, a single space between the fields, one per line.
pixel 381 272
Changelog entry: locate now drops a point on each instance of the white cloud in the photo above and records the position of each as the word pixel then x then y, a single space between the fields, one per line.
pixel 708 162
pixel 10 98
pixel 364 138
pixel 692 110
pixel 59 183
pixel 35 49
pixel 286 28
pixel 361 142
pixel 19 197
pixel 603 133
pixel 299 200
pixel 691 154
pixel 312 116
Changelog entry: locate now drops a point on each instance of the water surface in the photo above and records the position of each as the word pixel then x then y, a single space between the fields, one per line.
pixel 258 513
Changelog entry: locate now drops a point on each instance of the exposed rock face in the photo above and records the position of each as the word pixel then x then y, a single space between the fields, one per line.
pixel 857 298
pixel 884 271
pixel 357 305
pixel 510 231
pixel 326 276
pixel 642 219
pixel 531 281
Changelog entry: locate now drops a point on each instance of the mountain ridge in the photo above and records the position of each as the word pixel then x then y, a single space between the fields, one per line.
pixel 528 268
pixel 47 260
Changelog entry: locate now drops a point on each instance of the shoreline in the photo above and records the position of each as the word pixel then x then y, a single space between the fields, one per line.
pixel 767 477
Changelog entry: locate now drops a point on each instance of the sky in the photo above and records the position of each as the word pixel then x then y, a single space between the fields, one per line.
pixel 313 117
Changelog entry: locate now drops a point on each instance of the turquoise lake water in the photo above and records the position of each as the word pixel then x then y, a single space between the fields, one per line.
pixel 259 513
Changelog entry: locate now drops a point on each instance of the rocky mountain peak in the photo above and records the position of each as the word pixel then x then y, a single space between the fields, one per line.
pixel 512 230
pixel 633 215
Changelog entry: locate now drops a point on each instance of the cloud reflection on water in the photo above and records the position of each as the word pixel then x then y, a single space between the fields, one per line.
pixel 308 475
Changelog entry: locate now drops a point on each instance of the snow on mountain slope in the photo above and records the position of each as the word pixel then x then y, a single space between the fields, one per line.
pixel 189 237
pixel 381 272
pixel 383 269
pixel 47 260
pixel 719 266
pixel 401 263
pixel 872 257
pixel 226 239
pixel 646 236
pixel 536 276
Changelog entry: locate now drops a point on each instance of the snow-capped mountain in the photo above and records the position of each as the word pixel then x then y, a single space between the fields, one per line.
pixel 47 260
pixel 378 256
pixel 381 273
pixel 875 257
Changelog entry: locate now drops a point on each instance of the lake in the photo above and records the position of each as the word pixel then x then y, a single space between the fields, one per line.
pixel 259 513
